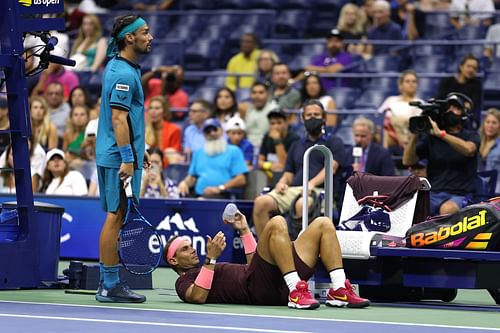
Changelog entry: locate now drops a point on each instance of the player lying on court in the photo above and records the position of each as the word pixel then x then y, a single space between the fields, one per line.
pixel 276 271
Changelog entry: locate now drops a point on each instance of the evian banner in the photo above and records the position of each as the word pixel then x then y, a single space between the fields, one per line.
pixel 189 218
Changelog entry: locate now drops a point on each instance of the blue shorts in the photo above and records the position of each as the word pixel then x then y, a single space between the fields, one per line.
pixel 438 198
pixel 111 188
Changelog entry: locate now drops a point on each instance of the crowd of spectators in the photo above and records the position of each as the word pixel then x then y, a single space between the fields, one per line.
pixel 222 140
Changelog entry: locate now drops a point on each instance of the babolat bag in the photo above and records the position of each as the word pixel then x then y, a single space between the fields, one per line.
pixel 475 227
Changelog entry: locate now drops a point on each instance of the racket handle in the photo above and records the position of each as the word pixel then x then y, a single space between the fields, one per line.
pixel 128 187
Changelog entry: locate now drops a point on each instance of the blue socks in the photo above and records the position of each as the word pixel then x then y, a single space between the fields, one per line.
pixel 109 275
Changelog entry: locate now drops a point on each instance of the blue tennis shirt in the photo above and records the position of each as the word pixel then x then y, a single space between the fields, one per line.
pixel 122 89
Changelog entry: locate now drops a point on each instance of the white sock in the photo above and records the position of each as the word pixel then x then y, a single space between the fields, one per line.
pixel 338 278
pixel 291 280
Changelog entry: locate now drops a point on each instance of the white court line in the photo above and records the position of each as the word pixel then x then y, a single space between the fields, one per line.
pixel 261 316
pixel 149 323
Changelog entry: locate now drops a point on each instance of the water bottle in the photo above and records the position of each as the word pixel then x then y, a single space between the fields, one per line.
pixel 229 213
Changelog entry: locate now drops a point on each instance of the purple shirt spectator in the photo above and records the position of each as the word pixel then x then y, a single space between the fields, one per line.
pixel 325 60
pixel 67 78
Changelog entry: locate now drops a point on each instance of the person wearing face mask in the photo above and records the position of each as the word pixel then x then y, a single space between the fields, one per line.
pixel 451 153
pixel 289 187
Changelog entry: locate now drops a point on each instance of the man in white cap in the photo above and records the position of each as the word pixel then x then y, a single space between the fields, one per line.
pixel 236 135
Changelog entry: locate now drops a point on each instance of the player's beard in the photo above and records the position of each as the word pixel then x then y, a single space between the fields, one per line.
pixel 215 147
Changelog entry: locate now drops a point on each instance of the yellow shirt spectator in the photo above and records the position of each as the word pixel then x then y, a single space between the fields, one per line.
pixel 245 62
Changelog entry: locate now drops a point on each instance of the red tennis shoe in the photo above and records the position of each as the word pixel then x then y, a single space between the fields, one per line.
pixel 345 296
pixel 301 297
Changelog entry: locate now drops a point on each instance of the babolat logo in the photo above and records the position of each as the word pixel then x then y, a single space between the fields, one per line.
pixel 46 3
pixel 468 223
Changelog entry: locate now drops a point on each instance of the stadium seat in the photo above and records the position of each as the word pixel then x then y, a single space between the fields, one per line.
pixel 205 92
pixel 176 172
pixel 265 4
pixel 380 63
pixel 384 83
pixel 313 49
pixel 243 94
pixel 196 4
pixel 344 97
pixel 203 54
pixel 371 99
pixel 299 62
pixel 430 64
pixel 291 24
pixel 158 24
pixel 231 4
pixel 297 4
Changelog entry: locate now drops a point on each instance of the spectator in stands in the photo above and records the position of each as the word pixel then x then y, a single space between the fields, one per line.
pixel 59 180
pixel 166 81
pixel 85 163
pixel 153 185
pixel 489 150
pixel 265 62
pixel 157 159
pixel 384 29
pixel 4 125
pixel 463 13
pixel 74 134
pixel 89 48
pixel 56 73
pixel 41 126
pixel 225 105
pixel 275 146
pixel 492 51
pixel 352 25
pixel 368 9
pixel 58 109
pixel 410 19
pixel 290 184
pixel 282 92
pixel 37 166
pixel 333 60
pixel 245 62
pixel 465 82
pixel 236 135
pixel 397 112
pixel 217 167
pixel 374 158
pixel 160 132
pixel 255 113
pixel 451 152
pixel 194 139
pixel 79 96
pixel 312 88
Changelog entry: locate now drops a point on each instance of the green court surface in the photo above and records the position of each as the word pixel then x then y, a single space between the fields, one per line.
pixel 164 298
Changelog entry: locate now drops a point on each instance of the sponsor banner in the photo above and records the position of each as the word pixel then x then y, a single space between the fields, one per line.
pixel 190 218
pixel 40 6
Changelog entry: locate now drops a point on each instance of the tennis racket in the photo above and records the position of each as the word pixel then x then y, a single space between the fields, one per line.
pixel 139 245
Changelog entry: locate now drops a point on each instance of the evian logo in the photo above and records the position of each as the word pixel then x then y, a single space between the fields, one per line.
pixel 174 225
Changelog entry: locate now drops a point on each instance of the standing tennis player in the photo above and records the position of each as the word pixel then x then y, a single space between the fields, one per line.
pixel 120 145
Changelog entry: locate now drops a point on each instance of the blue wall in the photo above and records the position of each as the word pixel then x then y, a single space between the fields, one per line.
pixel 83 218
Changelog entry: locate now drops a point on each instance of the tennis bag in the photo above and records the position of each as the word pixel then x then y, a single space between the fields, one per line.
pixel 475 227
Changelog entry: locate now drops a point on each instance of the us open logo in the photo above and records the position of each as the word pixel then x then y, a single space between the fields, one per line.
pixel 46 3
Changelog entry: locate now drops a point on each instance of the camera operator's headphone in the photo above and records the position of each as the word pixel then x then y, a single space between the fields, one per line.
pixel 463 101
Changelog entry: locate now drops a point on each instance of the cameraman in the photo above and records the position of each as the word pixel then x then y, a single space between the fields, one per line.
pixel 451 152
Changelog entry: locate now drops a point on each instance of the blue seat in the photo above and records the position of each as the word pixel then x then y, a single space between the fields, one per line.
pixel 243 94
pixel 428 84
pixel 384 83
pixel 186 33
pixel 486 183
pixel 205 92
pixel 344 97
pixel 371 99
pixel 291 24
pixel 381 63
pixel 158 24
pixel 202 54
pixel 430 64
pixel 196 4
pixel 231 4
pixel 265 4
pixel 176 172
pixel 297 4
pixel 299 62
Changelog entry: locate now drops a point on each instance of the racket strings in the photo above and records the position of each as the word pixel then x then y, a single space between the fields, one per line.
pixel 136 243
